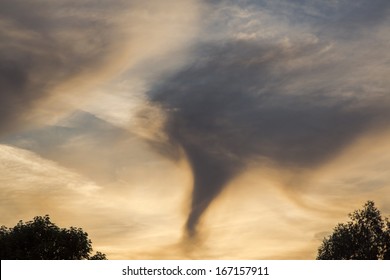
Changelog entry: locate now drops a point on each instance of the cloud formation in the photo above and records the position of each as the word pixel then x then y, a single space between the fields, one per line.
pixel 53 50
pixel 286 102
pixel 44 44
pixel 263 101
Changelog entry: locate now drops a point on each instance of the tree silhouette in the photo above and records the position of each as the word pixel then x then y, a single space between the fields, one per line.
pixel 40 239
pixel 365 237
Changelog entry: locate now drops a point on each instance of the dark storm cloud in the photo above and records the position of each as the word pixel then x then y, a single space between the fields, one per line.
pixel 45 43
pixel 234 106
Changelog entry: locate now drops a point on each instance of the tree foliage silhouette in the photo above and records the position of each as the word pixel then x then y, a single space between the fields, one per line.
pixel 40 239
pixel 365 237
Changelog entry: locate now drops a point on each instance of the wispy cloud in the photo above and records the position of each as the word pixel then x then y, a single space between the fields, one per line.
pixel 54 51
pixel 260 112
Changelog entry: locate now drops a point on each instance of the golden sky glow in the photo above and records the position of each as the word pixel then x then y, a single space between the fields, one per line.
pixel 254 127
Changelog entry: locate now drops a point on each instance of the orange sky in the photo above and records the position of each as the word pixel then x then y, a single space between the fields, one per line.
pixel 111 111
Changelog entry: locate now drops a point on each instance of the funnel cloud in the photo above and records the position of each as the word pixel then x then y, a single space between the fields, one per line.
pixel 234 107
pixel 114 113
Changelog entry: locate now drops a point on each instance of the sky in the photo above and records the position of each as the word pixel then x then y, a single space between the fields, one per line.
pixel 195 129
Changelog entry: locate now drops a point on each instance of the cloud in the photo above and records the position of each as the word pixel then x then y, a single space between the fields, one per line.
pixel 274 91
pixel 291 101
pixel 52 51
pixel 43 45
pixel 31 183
pixel 119 216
